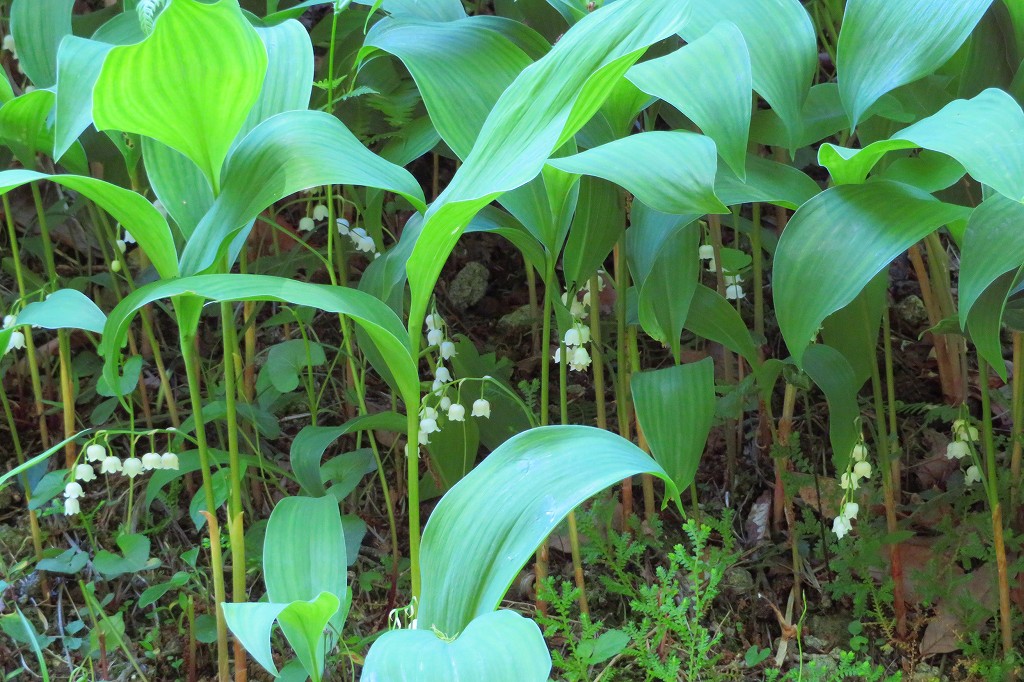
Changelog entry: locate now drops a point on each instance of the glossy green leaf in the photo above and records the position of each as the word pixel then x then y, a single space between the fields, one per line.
pixel 64 309
pixel 675 407
pixel 196 106
pixel 673 172
pixel 649 229
pixel 930 171
pixel 287 362
pixel 306 624
pixel 712 317
pixel 135 551
pixel 128 208
pixel 26 127
pixel 380 323
pixel 472 549
pixel 38 27
pixel 79 63
pixel 782 45
pixel 498 647
pixel 453 454
pixel 853 329
pixel 833 375
pixel 288 83
pixel 443 57
pixel 709 81
pixel 544 107
pixel 666 292
pixel 545 206
pixel 178 183
pixel 598 223
pixel 884 44
pixel 432 10
pixel 253 625
pixel 964 130
pixel 838 241
pixel 991 253
pixel 766 181
pixel 311 442
pixel 288 153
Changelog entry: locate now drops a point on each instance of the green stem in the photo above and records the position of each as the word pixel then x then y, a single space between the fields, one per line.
pixel 992 489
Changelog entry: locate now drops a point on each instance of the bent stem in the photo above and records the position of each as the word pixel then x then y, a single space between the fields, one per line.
pixel 992 489
pixel 574 537
pixel 623 401
pixel 188 356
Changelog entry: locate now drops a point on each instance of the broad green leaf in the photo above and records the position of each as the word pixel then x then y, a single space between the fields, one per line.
pixel 311 442
pixel 197 105
pixel 253 625
pixel 287 362
pixel 833 375
pixel 666 292
pixel 888 43
pixel 853 329
pixel 838 241
pixel 993 245
pixel 123 29
pixel 453 453
pixel 598 223
pixel 178 183
pixel 79 63
pixel 290 152
pixel 649 229
pixel 712 317
pixel 766 181
pixel 985 134
pixel 545 206
pixel 675 407
pixel 458 89
pixel 64 309
pixel 288 83
pixel 782 45
pixel 549 101
pixel 26 127
pixel 473 549
pixel 38 27
pixel 306 626
pixel 708 80
pixel 930 171
pixel 380 323
pixel 432 10
pixel 498 647
pixel 673 172
pixel 985 320
pixel 126 207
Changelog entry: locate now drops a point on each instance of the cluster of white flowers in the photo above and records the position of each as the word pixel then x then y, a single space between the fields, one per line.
pixel 17 340
pixel 111 464
pixel 964 433
pixel 361 241
pixel 577 336
pixel 733 283
pixel 443 382
pixel 850 481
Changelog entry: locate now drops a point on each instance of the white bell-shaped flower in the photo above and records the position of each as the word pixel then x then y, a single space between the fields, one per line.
pixel 445 403
pixel 306 224
pixel 111 465
pixel 16 342
pixel 706 252
pixel 734 292
pixel 972 475
pixel 320 212
pixel 132 467
pixel 457 413
pixel 73 490
pixel 862 470
pixel 447 350
pixel 957 449
pixel 580 359
pixel 435 337
pixel 481 408
pixel 85 472
pixel 169 460
pixel 841 526
pixel 343 226
pixel 150 461
pixel 442 374
pixel 860 452
pixel 95 453
pixel 71 506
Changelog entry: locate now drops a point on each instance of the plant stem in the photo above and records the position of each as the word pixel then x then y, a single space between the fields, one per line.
pixel 992 488
pixel 782 506
pixel 597 352
pixel 623 401
pixel 574 538
pixel 188 356
pixel 647 479
pixel 885 450
pixel 1017 431
pixel 541 562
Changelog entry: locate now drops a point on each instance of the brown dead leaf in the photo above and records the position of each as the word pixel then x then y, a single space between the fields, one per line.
pixel 808 493
pixel 757 520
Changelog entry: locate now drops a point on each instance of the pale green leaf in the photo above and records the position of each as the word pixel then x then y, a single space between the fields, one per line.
pixel 64 309
pixel 675 407
pixel 197 105
pixel 27 128
pixel 598 223
pixel 308 628
pixel 672 172
pixel 985 134
pixel 431 10
pixel 766 181
pixel 498 647
pixel 547 104
pixel 884 44
pixel 709 81
pixel 38 26
pixel 712 317
pixel 290 152
pixel 473 549
pixel 832 373
pixel 666 292
pixel 838 241
pixel 782 45
pixel 79 62
pixel 253 625
pixel 380 323
pixel 128 208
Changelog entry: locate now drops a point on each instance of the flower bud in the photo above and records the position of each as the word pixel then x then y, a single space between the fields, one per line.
pixel 445 403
